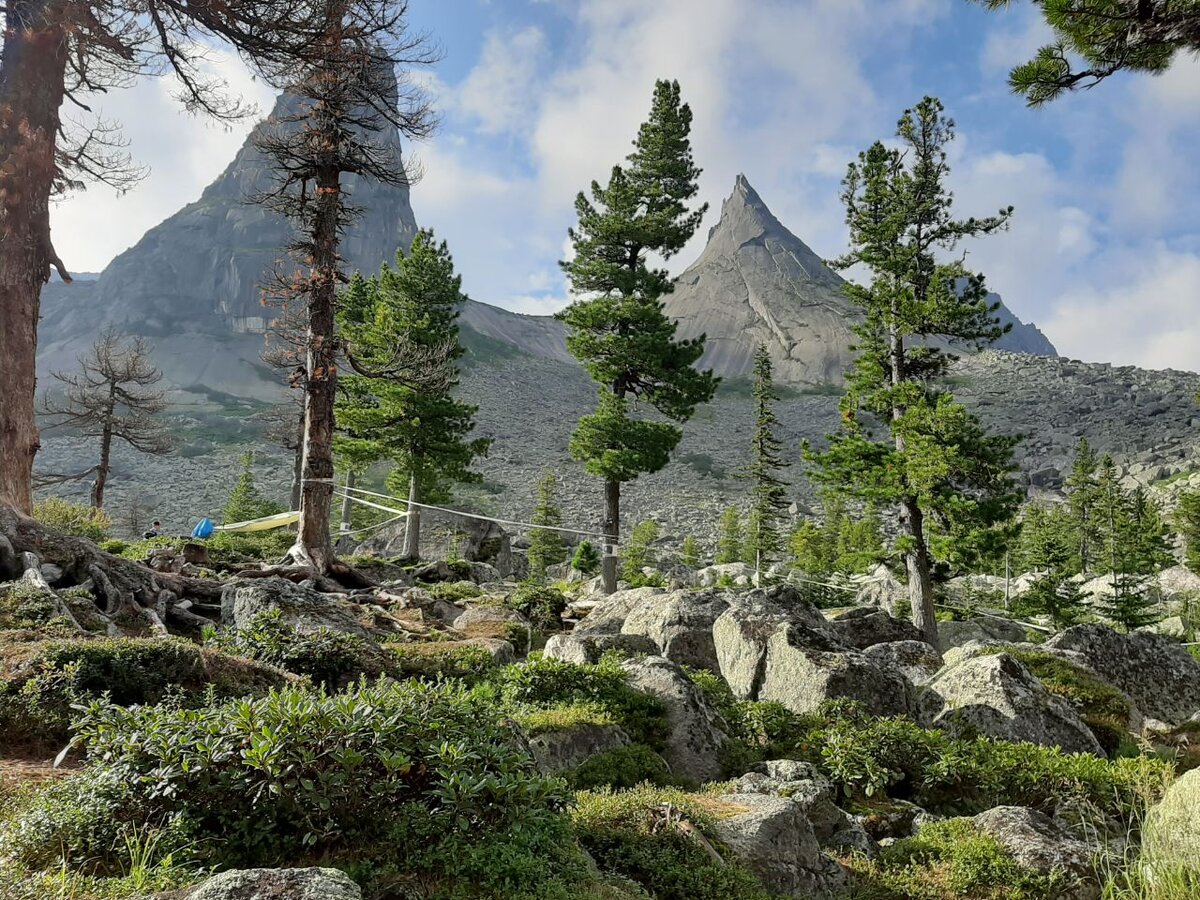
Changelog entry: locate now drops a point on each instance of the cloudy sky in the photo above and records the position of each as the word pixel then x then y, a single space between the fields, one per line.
pixel 538 97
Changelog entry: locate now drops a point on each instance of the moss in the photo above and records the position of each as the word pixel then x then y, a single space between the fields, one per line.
pixel 560 718
pixel 622 768
pixel 23 605
pixel 945 861
pixel 453 591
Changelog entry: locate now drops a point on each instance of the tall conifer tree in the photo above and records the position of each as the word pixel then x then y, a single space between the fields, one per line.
pixel 937 458
pixel 768 497
pixel 616 326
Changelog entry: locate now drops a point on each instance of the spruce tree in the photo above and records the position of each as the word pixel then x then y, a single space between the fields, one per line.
pixel 1080 488
pixel 768 496
pixel 638 554
pixel 1187 520
pixel 1048 545
pixel 691 553
pixel 246 502
pixel 729 543
pixel 586 560
pixel 944 474
pixel 616 326
pixel 545 545
pixel 402 319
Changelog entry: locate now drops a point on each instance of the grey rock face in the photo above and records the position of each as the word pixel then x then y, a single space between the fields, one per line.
pixel 680 624
pixel 864 627
pixel 980 628
pixel 998 697
pixel 1038 843
pixel 278 884
pixel 773 839
pixel 915 660
pixel 583 649
pixel 303 608
pixel 697 739
pixel 803 783
pixel 802 672
pixel 1157 672
pixel 562 751
pixel 608 616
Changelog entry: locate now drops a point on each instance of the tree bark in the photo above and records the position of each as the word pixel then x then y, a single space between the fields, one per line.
pixel 920 573
pixel 105 453
pixel 298 461
pixel 612 531
pixel 347 504
pixel 412 525
pixel 32 71
pixel 314 546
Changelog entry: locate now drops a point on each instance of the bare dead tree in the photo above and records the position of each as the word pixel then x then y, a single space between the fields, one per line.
pixel 111 397
pixel 351 92
pixel 60 53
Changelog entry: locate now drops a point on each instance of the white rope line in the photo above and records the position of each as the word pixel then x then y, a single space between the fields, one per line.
pixel 466 515
pixel 377 526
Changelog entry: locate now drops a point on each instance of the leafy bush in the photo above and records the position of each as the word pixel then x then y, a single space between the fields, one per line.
pixel 635 834
pixel 23 605
pixel 443 659
pixel 327 657
pixel 454 591
pixel 948 860
pixel 622 768
pixel 553 683
pixel 76 519
pixel 543 606
pixel 379 777
pixel 586 560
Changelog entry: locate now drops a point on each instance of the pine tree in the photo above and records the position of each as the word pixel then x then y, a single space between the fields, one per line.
pixel 1187 520
pixel 638 553
pixel 1080 488
pixel 729 544
pixel 545 545
pixel 1129 552
pixel 808 549
pixel 1048 545
pixel 946 476
pixel 616 326
pixel 586 559
pixel 768 496
pixel 402 329
pixel 246 502
pixel 691 553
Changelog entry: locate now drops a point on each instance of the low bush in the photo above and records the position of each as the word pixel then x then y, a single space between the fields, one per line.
pixel 439 660
pixel 946 861
pixel 454 591
pixel 327 657
pixel 404 784
pixel 543 606
pixel 622 768
pixel 77 519
pixel 560 718
pixel 636 834
pixel 23 605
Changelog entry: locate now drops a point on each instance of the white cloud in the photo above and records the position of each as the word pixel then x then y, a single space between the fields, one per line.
pixel 497 91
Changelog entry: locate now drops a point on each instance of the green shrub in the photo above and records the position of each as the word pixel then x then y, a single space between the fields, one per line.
pixel 402 782
pixel 454 591
pixel 552 683
pixel 543 606
pixel 23 605
pixel 636 553
pixel 634 834
pixel 760 730
pixel 622 768
pixel 327 657
pixel 949 860
pixel 443 659
pixel 115 546
pixel 560 718
pixel 246 502
pixel 76 519
pixel 586 560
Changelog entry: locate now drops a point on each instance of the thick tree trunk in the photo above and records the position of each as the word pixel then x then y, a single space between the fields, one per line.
pixel 612 531
pixel 920 573
pixel 412 525
pixel 347 504
pixel 31 91
pixel 314 546
pixel 103 468
pixel 298 461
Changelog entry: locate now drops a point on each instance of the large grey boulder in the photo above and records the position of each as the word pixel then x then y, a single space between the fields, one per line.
pixel 731 574
pixel 802 782
pixel 998 697
pixel 1157 672
pixel 983 628
pixel 680 624
pixel 805 668
pixel 866 626
pixel 696 735
pixel 771 837
pixel 1038 843
pixel 915 660
pixel 882 589
pixel 568 748
pixel 303 608
pixel 608 616
pixel 584 649
pixel 277 884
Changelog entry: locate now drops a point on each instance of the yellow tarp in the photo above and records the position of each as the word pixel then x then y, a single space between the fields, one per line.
pixel 269 523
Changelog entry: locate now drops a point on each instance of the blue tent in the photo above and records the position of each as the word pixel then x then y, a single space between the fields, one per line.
pixel 204 529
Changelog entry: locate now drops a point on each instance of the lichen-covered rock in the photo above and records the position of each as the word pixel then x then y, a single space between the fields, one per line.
pixel 303 608
pixel 583 649
pixel 882 589
pixel 1038 843
pixel 680 624
pixel 980 628
pixel 915 660
pixel 802 782
pixel 608 616
pixel 772 838
pixel 805 668
pixel 733 574
pixel 1171 837
pixel 998 697
pixel 866 626
pixel 1157 672
pixel 696 735
pixel 568 748
pixel 277 884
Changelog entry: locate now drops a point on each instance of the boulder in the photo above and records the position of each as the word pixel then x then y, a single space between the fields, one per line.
pixel 1038 843
pixel 697 738
pixel 484 573
pixel 277 884
pixel 485 542
pixel 1178 584
pixel 568 748
pixel 804 668
pixel 303 608
pixel 1157 672
pixel 882 589
pixel 771 837
pixel 866 626
pixel 915 660
pixel 1172 833
pixel 998 697
pixel 982 628
pixel 583 649
pixel 432 609
pixel 486 616
pixel 609 615
pixel 802 782
pixel 731 574
pixel 680 624
pixel 741 633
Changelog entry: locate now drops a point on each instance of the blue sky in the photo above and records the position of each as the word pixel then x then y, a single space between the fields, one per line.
pixel 540 96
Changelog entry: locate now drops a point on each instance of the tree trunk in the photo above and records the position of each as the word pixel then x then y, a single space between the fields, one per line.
pixel 412 525
pixel 32 71
pixel 103 468
pixel 347 504
pixel 313 544
pixel 920 573
pixel 612 531
pixel 298 461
